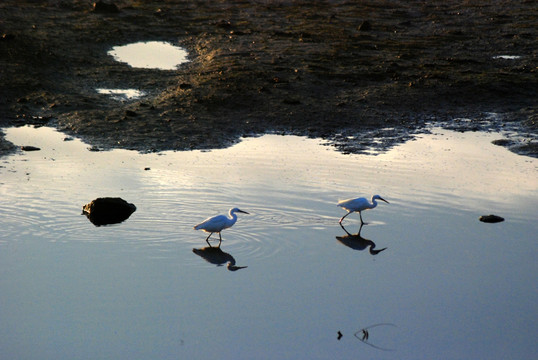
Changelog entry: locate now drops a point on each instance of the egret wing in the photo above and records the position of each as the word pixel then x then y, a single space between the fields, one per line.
pixel 213 224
pixel 354 204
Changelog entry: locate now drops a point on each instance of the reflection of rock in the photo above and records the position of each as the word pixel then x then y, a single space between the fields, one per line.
pixel 491 218
pixel 215 255
pixel 108 210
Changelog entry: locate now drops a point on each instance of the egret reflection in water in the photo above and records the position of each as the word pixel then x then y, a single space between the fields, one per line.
pixel 214 255
pixel 357 242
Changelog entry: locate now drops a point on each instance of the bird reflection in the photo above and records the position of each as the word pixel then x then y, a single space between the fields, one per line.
pixel 215 255
pixel 357 242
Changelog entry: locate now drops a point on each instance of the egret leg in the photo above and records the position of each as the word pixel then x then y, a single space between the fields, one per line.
pixel 362 222
pixel 220 240
pixel 207 239
pixel 342 226
pixel 343 217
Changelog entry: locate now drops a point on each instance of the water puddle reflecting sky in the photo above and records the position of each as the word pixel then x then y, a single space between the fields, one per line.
pixel 150 55
pixel 122 94
pixel 507 57
pixel 149 287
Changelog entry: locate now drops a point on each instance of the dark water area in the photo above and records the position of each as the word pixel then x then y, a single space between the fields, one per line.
pixel 446 285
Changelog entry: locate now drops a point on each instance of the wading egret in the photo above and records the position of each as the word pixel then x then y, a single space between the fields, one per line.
pixel 218 223
pixel 358 205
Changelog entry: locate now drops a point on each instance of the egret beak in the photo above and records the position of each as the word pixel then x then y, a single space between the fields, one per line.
pixel 380 198
pixel 241 211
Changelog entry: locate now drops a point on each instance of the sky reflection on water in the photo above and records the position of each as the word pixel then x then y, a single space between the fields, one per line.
pixel 453 286
pixel 150 55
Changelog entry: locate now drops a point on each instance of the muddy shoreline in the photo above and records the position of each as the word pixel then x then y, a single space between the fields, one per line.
pixel 331 69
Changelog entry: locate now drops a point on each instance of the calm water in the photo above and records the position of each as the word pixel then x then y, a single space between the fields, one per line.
pixel 150 55
pixel 450 286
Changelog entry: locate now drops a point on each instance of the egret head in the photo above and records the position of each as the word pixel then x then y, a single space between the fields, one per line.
pixel 237 210
pixel 380 198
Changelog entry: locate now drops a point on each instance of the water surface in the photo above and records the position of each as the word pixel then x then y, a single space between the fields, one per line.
pixel 121 94
pixel 150 55
pixel 452 287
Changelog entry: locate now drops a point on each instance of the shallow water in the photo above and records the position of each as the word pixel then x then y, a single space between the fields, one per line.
pixel 507 57
pixel 449 285
pixel 150 55
pixel 122 94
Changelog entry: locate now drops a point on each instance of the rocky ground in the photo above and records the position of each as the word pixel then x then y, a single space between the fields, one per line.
pixel 333 69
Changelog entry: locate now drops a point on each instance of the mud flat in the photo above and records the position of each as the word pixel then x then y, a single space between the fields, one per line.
pixel 331 69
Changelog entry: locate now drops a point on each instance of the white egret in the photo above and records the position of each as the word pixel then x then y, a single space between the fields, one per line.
pixel 218 223
pixel 358 205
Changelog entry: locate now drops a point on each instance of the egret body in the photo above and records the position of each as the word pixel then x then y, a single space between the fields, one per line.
pixel 358 205
pixel 218 223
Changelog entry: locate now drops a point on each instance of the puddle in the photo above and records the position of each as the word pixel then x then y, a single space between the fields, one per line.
pixel 150 55
pixel 445 280
pixel 122 94
pixel 507 57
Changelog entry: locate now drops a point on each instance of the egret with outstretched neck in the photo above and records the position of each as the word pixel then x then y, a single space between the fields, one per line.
pixel 358 205
pixel 218 223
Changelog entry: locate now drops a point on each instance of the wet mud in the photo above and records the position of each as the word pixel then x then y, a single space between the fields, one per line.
pixel 346 71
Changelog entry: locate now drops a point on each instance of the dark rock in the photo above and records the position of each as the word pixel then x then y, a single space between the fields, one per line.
pixel 104 8
pixel 29 148
pixel 491 218
pixel 108 210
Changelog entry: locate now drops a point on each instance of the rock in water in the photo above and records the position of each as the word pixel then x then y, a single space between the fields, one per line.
pixel 491 218
pixel 29 148
pixel 108 210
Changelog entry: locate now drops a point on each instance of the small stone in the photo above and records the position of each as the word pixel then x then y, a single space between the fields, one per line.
pixel 491 218
pixel 365 26
pixel 29 148
pixel 7 37
pixel 104 8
